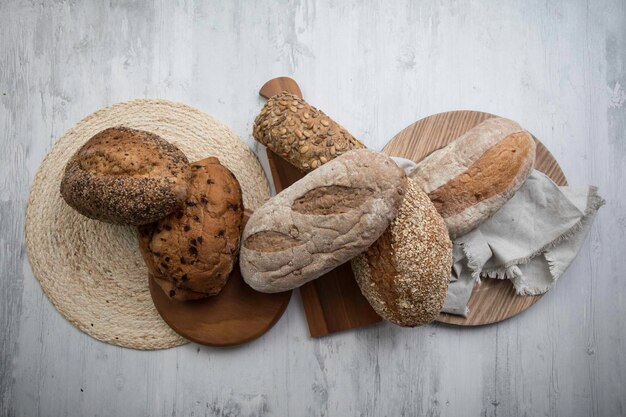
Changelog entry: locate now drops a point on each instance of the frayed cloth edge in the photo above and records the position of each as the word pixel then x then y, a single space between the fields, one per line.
pixel 594 202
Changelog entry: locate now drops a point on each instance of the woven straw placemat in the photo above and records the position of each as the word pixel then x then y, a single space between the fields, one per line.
pixel 92 271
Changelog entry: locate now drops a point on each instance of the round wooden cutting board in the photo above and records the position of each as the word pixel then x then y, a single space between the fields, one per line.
pixel 493 300
pixel 237 315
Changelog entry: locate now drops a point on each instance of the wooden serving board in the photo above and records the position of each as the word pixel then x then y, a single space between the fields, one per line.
pixel 333 302
pixel 493 300
pixel 238 314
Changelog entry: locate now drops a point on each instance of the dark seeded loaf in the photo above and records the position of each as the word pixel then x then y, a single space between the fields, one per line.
pixel 321 221
pixel 126 176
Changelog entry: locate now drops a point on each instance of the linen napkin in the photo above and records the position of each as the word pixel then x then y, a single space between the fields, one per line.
pixel 531 240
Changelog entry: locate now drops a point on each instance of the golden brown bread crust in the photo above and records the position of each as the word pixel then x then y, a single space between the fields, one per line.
pixel 476 174
pixel 404 275
pixel 191 252
pixel 126 176
pixel 492 174
pixel 300 133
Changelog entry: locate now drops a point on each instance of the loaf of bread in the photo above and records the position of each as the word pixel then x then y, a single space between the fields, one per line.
pixel 472 177
pixel 404 275
pixel 126 176
pixel 321 221
pixel 191 252
pixel 300 133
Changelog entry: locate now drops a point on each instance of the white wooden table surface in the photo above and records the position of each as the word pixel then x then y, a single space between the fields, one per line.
pixel 557 67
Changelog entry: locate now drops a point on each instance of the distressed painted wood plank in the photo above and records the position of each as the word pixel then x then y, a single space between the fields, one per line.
pixel 559 68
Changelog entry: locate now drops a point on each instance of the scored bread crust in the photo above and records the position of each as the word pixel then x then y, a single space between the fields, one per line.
pixel 126 176
pixel 404 275
pixel 462 152
pixel 300 133
pixel 472 177
pixel 321 221
pixel 191 252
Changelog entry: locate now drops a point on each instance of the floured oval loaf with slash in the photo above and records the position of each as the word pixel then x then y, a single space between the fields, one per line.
pixel 472 177
pixel 321 221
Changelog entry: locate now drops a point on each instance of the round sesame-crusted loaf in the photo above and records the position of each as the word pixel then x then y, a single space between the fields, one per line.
pixel 191 252
pixel 126 176
pixel 404 275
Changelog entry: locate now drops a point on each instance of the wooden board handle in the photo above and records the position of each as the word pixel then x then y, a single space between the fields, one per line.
pixel 333 302
pixel 278 85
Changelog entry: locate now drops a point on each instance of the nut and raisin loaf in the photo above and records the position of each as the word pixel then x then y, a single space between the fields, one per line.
pixel 191 252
